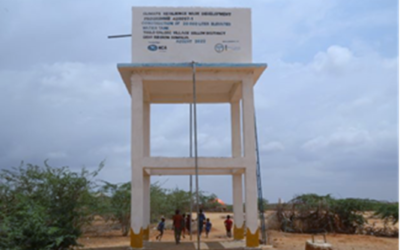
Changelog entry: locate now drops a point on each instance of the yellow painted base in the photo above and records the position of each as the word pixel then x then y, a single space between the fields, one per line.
pixel 146 233
pixel 238 232
pixel 252 240
pixel 137 239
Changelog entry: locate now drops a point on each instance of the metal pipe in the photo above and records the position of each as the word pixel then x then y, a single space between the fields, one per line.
pixel 119 36
pixel 195 152
pixel 191 177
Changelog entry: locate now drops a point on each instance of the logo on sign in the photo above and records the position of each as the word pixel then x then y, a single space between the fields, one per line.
pixel 152 47
pixel 219 47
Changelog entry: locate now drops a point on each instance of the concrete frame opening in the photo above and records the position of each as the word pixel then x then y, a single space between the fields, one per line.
pixel 171 137
pixel 217 83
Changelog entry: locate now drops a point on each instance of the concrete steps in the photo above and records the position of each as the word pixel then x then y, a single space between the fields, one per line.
pixel 212 245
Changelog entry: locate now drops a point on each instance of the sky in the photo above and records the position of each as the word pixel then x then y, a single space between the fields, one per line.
pixel 327 106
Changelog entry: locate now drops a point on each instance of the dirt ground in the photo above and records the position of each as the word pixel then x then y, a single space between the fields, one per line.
pixel 279 240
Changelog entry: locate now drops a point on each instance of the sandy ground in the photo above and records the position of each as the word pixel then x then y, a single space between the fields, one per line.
pixel 279 240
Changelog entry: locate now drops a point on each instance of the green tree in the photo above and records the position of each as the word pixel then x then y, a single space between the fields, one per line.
pixel 118 206
pixel 44 207
pixel 262 204
pixel 159 203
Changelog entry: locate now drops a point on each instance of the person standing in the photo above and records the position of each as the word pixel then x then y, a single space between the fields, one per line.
pixel 177 220
pixel 208 227
pixel 183 226
pixel 228 226
pixel 188 223
pixel 201 220
pixel 160 228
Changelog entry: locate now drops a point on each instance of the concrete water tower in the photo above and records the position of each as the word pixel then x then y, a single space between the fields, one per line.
pixel 167 43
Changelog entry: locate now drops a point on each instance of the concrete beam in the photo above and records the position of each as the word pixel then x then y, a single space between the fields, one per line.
pixel 191 171
pixel 185 162
pixel 188 98
pixel 186 75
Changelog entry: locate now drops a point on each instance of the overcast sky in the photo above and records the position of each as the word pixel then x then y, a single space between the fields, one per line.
pixel 327 106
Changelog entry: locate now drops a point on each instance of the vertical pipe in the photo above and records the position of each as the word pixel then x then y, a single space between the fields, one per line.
pixel 195 152
pixel 191 177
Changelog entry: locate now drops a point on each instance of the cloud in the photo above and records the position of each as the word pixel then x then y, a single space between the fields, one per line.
pixel 340 139
pixel 272 147
pixel 327 106
pixel 334 60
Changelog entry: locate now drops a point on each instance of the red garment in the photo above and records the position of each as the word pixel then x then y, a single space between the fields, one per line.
pixel 228 224
pixel 178 221
pixel 188 223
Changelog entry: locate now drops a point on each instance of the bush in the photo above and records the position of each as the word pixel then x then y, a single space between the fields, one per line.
pixel 313 213
pixel 389 212
pixel 44 207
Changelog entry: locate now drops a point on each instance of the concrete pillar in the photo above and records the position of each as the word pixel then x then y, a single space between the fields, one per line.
pixel 146 178
pixel 146 207
pixel 146 129
pixel 136 232
pixel 235 127
pixel 252 231
pixel 238 227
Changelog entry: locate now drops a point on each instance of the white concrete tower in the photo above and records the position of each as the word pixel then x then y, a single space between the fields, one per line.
pixel 164 43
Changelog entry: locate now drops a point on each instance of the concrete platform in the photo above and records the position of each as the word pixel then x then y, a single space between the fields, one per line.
pixel 213 245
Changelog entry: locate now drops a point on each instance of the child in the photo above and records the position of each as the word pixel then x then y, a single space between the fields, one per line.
pixel 228 226
pixel 160 228
pixel 188 223
pixel 208 227
pixel 183 226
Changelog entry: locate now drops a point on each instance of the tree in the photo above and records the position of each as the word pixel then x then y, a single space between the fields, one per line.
pixel 262 204
pixel 159 203
pixel 44 207
pixel 118 206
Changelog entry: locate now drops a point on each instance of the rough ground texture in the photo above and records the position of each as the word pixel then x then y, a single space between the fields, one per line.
pixel 110 238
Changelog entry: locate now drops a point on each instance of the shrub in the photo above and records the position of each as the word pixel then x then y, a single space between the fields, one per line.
pixel 44 207
pixel 313 213
pixel 389 212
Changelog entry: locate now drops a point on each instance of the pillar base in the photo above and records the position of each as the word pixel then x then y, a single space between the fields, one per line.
pixel 238 232
pixel 252 240
pixel 146 233
pixel 136 239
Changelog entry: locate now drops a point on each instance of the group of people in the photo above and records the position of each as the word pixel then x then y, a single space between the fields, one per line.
pixel 182 224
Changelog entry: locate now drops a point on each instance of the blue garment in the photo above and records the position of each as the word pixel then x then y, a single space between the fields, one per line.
pixel 202 218
pixel 161 226
pixel 208 226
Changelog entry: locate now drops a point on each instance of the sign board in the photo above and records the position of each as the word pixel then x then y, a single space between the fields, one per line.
pixel 177 35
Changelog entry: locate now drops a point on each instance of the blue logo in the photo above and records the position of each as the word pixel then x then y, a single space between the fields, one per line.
pixel 219 47
pixel 152 47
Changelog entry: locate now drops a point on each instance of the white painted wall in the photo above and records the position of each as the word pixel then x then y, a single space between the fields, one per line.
pixel 185 34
